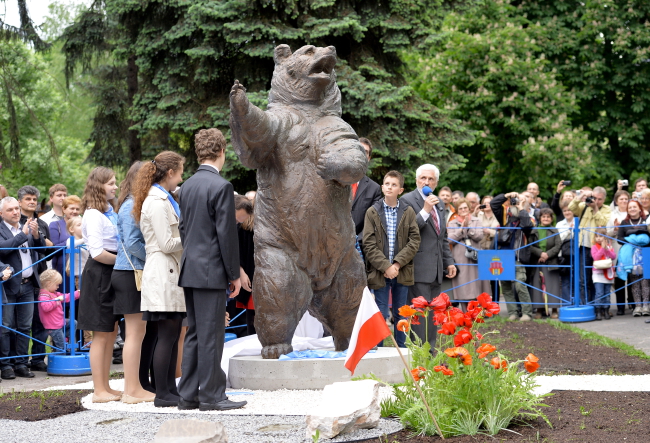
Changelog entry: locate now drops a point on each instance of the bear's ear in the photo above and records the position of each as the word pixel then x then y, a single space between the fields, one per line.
pixel 281 53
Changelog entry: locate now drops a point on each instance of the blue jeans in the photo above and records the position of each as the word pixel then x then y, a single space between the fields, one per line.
pixel 18 317
pixel 566 288
pixel 602 295
pixel 58 339
pixel 399 299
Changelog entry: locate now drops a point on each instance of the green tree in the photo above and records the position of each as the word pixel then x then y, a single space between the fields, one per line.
pixel 33 150
pixel 189 53
pixel 488 69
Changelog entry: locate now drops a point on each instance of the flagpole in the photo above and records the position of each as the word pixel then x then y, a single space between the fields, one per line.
pixel 417 386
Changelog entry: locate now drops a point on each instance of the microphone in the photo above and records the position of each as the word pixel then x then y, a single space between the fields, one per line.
pixel 427 191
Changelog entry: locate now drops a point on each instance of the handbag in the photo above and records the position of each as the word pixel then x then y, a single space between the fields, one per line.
pixel 137 273
pixel 470 252
pixel 603 264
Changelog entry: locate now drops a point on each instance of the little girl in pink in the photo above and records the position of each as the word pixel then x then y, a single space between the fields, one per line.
pixel 601 250
pixel 51 310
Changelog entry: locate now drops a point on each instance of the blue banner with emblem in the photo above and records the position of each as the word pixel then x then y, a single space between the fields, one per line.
pixel 496 265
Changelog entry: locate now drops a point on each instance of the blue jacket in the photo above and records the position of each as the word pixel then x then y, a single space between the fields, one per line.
pixel 132 239
pixel 626 254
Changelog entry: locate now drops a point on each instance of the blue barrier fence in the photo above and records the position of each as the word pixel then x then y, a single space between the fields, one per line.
pixel 71 255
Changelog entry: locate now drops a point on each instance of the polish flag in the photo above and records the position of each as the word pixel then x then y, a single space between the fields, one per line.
pixel 369 329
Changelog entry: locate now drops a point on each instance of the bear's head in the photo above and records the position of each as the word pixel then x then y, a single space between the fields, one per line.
pixel 305 77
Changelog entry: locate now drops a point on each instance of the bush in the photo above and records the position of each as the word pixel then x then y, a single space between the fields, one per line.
pixel 468 385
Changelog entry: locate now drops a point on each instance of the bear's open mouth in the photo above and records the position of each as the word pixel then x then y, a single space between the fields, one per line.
pixel 323 67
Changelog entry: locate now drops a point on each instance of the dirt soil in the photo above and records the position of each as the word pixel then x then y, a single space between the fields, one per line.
pixel 560 351
pixel 577 417
pixel 40 405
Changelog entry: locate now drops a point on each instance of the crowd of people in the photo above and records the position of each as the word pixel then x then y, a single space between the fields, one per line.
pixel 166 258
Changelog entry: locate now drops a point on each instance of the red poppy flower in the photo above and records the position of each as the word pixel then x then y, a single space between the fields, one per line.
pixel 444 370
pixel 478 336
pixel 457 317
pixel 471 306
pixel 403 325
pixel 440 303
pixel 420 302
pixel 530 363
pixel 463 337
pixel 485 349
pixel 418 373
pixel 406 311
pixel 484 299
pixel 466 359
pixel 439 318
pixel 492 309
pixel 448 329
pixel 415 320
pixel 499 363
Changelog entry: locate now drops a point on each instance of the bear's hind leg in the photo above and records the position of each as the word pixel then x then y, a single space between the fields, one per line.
pixel 336 307
pixel 282 293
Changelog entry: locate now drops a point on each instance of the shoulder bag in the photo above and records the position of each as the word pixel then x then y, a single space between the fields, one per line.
pixel 136 272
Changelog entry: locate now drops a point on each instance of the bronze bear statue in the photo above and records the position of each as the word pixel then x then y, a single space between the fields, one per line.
pixel 306 158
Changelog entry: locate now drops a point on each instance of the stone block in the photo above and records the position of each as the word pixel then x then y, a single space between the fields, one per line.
pixel 345 407
pixel 191 431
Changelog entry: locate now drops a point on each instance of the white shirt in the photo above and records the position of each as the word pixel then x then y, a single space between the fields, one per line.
pixel 50 217
pixel 564 229
pixel 212 166
pixel 424 214
pixel 25 254
pixel 98 232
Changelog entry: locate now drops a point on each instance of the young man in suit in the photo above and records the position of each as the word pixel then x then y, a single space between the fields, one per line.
pixel 209 265
pixel 365 193
pixel 433 259
pixel 20 288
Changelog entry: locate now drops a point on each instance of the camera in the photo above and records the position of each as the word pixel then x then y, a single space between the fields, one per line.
pixel 514 201
pixel 590 200
pixel 625 183
pixel 566 182
pixel 482 206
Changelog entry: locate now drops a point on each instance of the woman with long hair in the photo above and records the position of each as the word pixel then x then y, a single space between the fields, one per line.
pixel 99 230
pixel 163 301
pixel 635 223
pixel 488 223
pixel 245 218
pixel 131 256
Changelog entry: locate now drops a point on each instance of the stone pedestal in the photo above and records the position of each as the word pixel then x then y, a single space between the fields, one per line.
pixel 270 375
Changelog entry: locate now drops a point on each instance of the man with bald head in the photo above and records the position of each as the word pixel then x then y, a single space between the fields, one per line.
pixel 433 259
pixel 472 200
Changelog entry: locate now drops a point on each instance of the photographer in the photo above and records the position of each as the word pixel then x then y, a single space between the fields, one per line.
pixel 561 197
pixel 515 216
pixel 592 213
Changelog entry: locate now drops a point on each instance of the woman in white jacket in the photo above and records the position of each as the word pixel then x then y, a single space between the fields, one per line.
pixel 162 299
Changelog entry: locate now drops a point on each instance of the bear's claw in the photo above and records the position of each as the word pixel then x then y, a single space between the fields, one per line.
pixel 275 351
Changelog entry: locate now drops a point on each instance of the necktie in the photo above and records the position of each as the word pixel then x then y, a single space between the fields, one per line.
pixel 354 189
pixel 434 217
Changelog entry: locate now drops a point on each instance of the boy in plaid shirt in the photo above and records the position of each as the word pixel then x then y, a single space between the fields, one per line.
pixel 391 239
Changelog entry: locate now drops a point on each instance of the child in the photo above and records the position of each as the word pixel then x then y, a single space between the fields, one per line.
pixel 51 310
pixel 391 239
pixel 601 250
pixel 74 229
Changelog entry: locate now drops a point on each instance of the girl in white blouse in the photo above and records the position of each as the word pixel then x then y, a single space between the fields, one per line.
pixel 96 302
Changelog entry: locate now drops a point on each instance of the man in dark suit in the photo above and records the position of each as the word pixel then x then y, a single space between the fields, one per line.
pixel 20 287
pixel 209 265
pixel 434 258
pixel 365 193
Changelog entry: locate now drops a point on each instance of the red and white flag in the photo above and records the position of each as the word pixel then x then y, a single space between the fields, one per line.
pixel 369 329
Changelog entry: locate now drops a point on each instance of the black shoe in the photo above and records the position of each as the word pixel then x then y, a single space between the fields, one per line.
pixel 160 403
pixel 8 374
pixel 24 372
pixel 620 311
pixel 598 314
pixel 222 405
pixel 186 404
pixel 606 314
pixel 40 366
pixel 117 361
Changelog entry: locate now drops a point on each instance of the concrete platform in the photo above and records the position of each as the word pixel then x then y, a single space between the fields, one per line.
pixel 256 373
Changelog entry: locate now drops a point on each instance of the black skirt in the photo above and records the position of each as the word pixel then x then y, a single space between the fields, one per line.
pixel 97 298
pixel 157 316
pixel 127 296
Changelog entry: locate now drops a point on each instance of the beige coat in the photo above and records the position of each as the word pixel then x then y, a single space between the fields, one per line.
pixel 159 226
pixel 466 274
